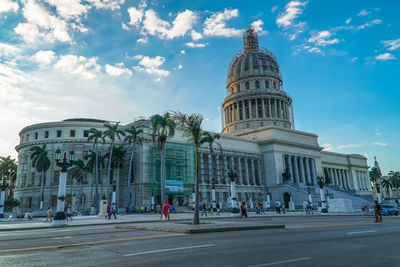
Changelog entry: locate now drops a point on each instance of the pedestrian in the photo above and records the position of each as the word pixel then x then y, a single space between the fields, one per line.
pixel 218 209
pixel 108 210
pixel 363 209
pixel 69 215
pixel 258 209
pixel 367 209
pixel 165 211
pixel 310 208
pixel 49 215
pixel 141 209
pixel 262 209
pixel 204 210
pixel 243 210
pixel 377 212
pixel 283 209
pixel 211 210
pixel 113 211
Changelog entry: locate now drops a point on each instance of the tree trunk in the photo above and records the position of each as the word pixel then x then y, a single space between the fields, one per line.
pixel 117 190
pixel 79 196
pixel 109 171
pixel 162 174
pixel 196 219
pixel 96 194
pixel 129 179
pixel 41 190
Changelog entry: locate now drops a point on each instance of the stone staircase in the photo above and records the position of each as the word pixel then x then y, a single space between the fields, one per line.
pixel 358 201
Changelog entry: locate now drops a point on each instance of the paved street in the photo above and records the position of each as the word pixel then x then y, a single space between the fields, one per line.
pixel 306 241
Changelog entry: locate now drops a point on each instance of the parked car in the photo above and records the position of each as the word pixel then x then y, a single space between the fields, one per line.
pixel 388 209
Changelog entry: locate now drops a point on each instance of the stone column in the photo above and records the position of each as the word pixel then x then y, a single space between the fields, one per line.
pixel 342 178
pixel 314 175
pixel 263 108
pixel 276 107
pixel 243 110
pixel 269 108
pixel 246 164
pixel 253 175
pixel 289 161
pixel 296 170
pixel 256 102
pixel 260 180
pixel 226 178
pixel 301 165
pixel 240 174
pixel 308 175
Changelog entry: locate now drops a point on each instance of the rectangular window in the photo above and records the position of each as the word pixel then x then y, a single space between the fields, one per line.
pixel 32 180
pixel 46 134
pixel 27 137
pixel 72 133
pixel 58 133
pixel 85 155
pixel 85 133
pixel 36 135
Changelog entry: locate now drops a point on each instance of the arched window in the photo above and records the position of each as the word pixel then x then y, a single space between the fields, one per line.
pixel 257 84
pixel 247 86
pixel 274 85
pixel 246 63
pixel 255 62
pixel 266 84
pixel 238 88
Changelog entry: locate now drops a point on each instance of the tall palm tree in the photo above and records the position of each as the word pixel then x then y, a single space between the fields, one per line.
pixel 163 128
pixel 113 132
pixel 78 172
pixel 132 138
pixel 211 139
pixel 41 163
pixel 375 176
pixel 117 163
pixel 95 136
pixel 387 184
pixel 190 125
pixel 8 170
pixel 395 180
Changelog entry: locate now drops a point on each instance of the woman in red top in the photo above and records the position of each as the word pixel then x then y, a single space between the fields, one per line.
pixel 165 211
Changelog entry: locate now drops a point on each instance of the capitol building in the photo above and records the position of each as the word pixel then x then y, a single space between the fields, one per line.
pixel 259 142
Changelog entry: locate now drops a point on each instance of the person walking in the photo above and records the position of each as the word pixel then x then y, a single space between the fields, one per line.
pixel 204 210
pixel 113 211
pixel 165 211
pixel 310 208
pixel 377 212
pixel 108 210
pixel 69 214
pixel 283 209
pixel 218 210
pixel 243 210
pixel 262 209
pixel 49 215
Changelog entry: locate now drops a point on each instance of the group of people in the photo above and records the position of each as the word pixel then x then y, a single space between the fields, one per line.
pixel 67 210
pixel 111 209
pixel 378 211
pixel 260 208
pixel 209 209
pixel 309 208
pixel 280 208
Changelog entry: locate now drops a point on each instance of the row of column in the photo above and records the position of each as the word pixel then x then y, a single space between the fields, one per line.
pixel 340 177
pixel 257 108
pixel 363 181
pixel 302 169
pixel 205 196
pixel 248 169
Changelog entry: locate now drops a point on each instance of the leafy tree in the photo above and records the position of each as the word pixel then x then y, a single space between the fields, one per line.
pixel 96 136
pixel 163 128
pixel 375 176
pixel 11 203
pixel 190 125
pixel 211 139
pixel 41 163
pixel 395 180
pixel 133 138
pixel 117 163
pixel 78 172
pixel 387 184
pixel 112 132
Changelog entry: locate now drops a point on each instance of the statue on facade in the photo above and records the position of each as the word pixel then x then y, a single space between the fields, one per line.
pixel 286 175
pixel 328 179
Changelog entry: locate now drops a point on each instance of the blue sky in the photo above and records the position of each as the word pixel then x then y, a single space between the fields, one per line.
pixel 121 59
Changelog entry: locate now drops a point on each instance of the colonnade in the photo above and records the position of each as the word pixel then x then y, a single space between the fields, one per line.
pixel 340 177
pixel 302 169
pixel 363 181
pixel 256 108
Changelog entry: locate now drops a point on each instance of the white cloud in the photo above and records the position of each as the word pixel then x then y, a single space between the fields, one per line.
pixel 348 20
pixel 8 5
pixel 183 52
pixel 322 38
pixel 107 4
pixel 193 45
pixel 151 65
pixel 69 9
pixel 385 56
pixel 142 40
pixel 257 26
pixel 274 8
pixel 29 32
pixel 155 26
pixel 363 12
pixel 354 59
pixel 349 146
pixel 135 16
pixel 380 144
pixel 78 65
pixel 180 66
pixel 44 57
pixel 195 35
pixel 369 24
pixel 117 70
pixel 292 10
pixel 392 44
pixel 327 147
pixel 216 24
pixel 8 50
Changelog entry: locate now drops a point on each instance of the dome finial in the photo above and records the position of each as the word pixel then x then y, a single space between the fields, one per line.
pixel 250 39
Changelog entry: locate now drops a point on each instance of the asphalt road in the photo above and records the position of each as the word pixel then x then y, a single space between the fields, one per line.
pixel 307 241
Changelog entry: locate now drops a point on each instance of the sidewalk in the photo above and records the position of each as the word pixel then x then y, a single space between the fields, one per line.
pixel 39 223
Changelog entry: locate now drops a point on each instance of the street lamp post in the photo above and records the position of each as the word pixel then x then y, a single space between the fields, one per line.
pixel 268 199
pixel 152 199
pixel 4 187
pixel 309 193
pixel 232 176
pixel 193 198
pixel 64 164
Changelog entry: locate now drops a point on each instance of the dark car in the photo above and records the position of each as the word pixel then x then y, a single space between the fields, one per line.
pixel 388 209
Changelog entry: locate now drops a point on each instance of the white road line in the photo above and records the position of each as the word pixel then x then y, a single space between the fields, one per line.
pixel 169 249
pixel 281 262
pixel 361 232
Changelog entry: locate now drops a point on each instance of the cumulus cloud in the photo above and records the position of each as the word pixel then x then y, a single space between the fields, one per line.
pixel 379 144
pixel 385 56
pixel 183 52
pixel 107 4
pixel 8 50
pixel 216 24
pixel 257 26
pixel 155 26
pixel 69 9
pixel 79 65
pixel 322 38
pixel 151 66
pixel 117 70
pixel 142 40
pixel 135 16
pixel 392 45
pixel 292 10
pixel 195 35
pixel 8 6
pixel 363 12
pixel 369 24
pixel 327 147
pixel 194 45
pixel 348 20
pixel 349 146
pixel 44 57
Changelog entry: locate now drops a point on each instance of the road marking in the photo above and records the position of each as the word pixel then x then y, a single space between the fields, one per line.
pixel 281 262
pixel 326 225
pixel 88 243
pixel 169 249
pixel 361 232
pixel 62 237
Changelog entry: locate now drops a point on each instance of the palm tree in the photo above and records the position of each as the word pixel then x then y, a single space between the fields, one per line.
pixel 117 163
pixel 163 128
pixel 95 136
pixel 395 180
pixel 386 183
pixel 41 163
pixel 78 172
pixel 211 139
pixel 8 169
pixel 132 137
pixel 113 132
pixel 190 125
pixel 375 176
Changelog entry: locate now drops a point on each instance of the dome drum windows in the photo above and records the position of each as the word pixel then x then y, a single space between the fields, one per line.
pixel 247 86
pixel 255 62
pixel 257 84
pixel 246 63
